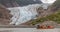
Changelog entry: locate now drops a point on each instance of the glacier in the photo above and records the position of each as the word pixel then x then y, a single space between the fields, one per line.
pixel 25 13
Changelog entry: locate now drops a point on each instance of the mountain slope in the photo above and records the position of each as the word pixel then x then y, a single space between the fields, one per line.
pixel 17 3
pixel 9 3
pixel 4 15
pixel 48 15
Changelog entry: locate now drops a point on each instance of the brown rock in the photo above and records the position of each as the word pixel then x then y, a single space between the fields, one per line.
pixel 4 15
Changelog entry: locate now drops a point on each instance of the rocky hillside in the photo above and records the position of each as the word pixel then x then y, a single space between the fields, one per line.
pixel 4 15
pixel 51 14
pixel 9 3
pixel 47 15
pixel 17 3
pixel 27 2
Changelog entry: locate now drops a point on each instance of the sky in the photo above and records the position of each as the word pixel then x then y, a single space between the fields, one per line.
pixel 48 1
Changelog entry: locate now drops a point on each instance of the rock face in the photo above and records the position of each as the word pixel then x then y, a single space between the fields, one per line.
pixel 4 15
pixel 17 3
pixel 9 3
pixel 27 2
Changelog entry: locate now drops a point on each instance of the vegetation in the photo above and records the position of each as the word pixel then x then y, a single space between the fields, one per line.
pixel 53 17
pixel 57 4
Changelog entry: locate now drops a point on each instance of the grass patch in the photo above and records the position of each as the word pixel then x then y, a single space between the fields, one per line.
pixel 53 17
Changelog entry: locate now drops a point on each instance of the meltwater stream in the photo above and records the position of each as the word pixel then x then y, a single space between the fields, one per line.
pixel 25 13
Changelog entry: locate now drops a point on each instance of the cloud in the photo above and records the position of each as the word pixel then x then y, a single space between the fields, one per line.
pixel 48 1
